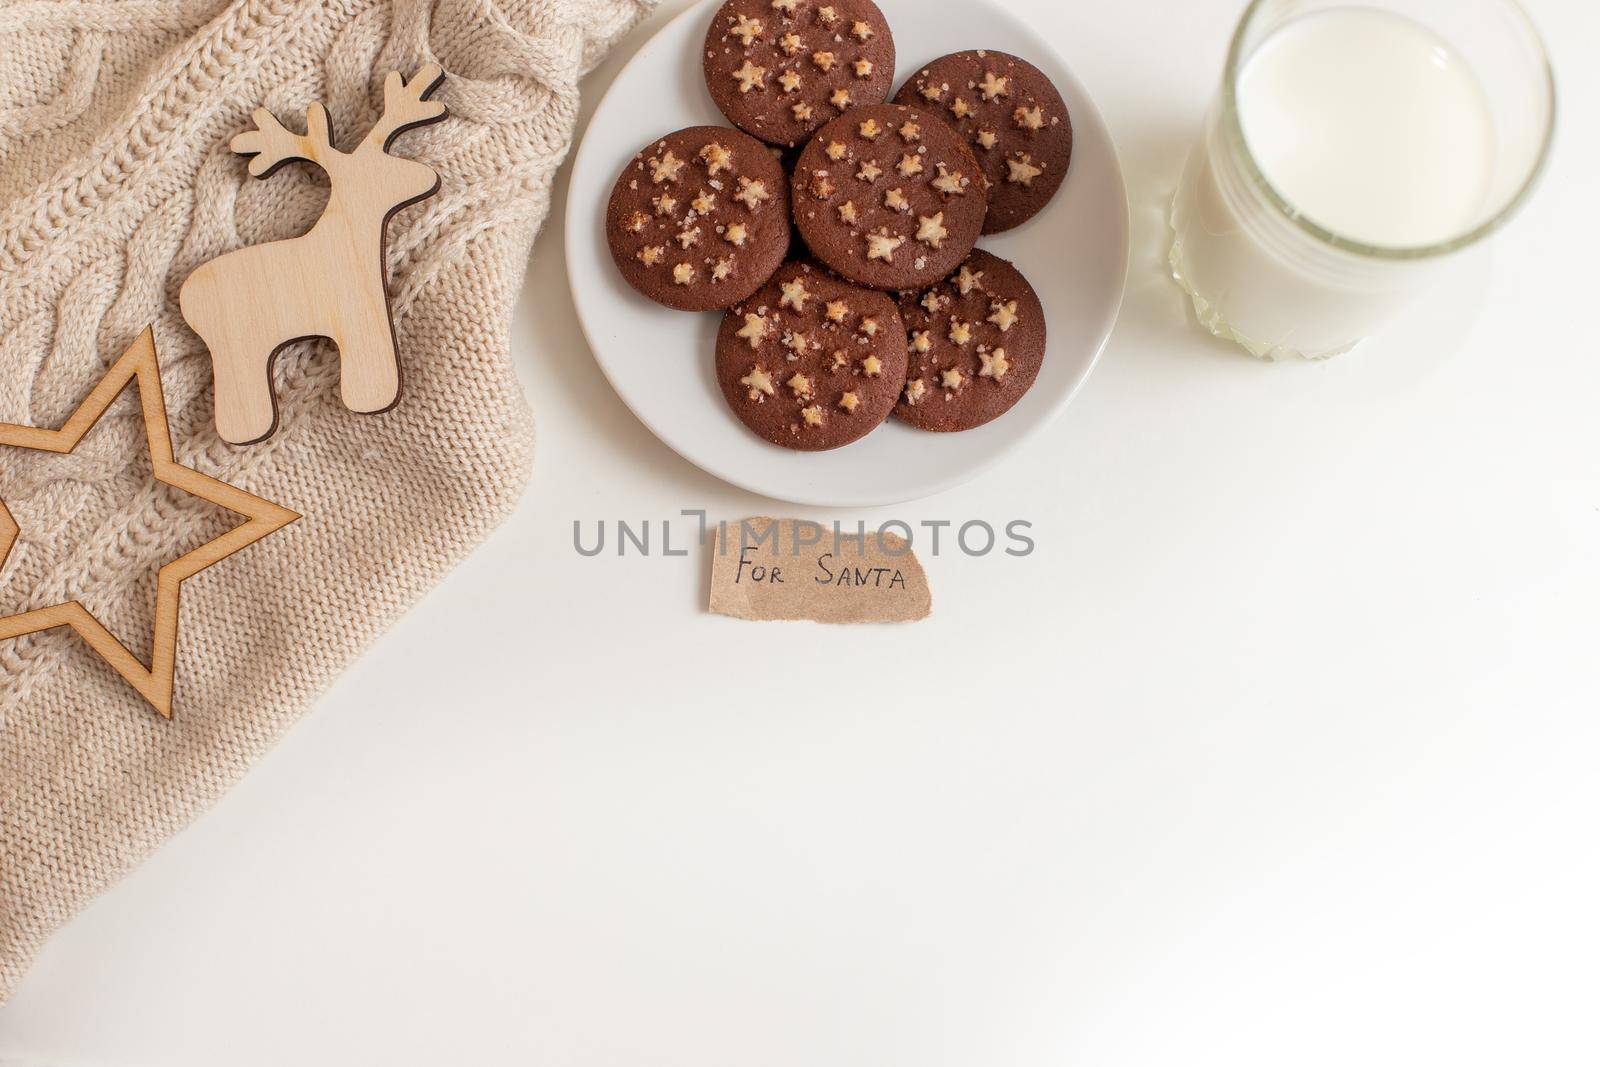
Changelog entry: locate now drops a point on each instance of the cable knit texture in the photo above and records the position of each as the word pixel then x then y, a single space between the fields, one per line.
pixel 115 183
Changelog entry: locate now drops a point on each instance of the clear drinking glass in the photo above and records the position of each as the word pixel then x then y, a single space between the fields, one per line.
pixel 1261 271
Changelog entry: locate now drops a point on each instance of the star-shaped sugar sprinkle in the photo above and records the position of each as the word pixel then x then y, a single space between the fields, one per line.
pixel 849 401
pixel 736 234
pixel 665 169
pixel 683 274
pixel 950 183
pixel 752 192
pixel 910 165
pixel 872 367
pixel 827 15
pixel 847 212
pixel 665 204
pixel 652 255
pixel 836 150
pixel 824 60
pixel 951 378
pixel 895 200
pixel 759 382
pixel 812 414
pixel 790 80
pixel 960 332
pixel 916 388
pixel 968 279
pixel 910 131
pixel 1004 314
pixel 995 364
pixel 794 294
pixel 801 386
pixel 720 272
pixel 821 186
pixel 882 245
pixel 1027 118
pixel 960 108
pixel 863 68
pixel 689 238
pixel 932 303
pixel 750 77
pixel 993 85
pixel 803 112
pixel 931 230
pixel 704 203
pixel 869 326
pixel 790 43
pixel 785 7
pixel 755 330
pixel 796 342
pixel 870 129
pixel 860 31
pixel 636 222
pixel 869 172
pixel 717 158
pixel 934 92
pixel 986 139
pixel 747 29
pixel 921 342
pixel 1022 170
pixel 837 310
pixel 840 98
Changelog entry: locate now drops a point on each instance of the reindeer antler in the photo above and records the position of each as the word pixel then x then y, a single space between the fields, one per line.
pixel 271 145
pixel 405 105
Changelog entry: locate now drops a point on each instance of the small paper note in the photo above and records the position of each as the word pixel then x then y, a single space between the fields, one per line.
pixel 766 569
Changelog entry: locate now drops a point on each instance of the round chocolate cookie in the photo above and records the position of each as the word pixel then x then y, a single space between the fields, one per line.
pixel 811 362
pixel 889 197
pixel 976 341
pixel 1014 119
pixel 779 69
pixel 700 219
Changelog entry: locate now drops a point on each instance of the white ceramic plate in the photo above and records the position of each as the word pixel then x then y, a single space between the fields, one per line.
pixel 661 362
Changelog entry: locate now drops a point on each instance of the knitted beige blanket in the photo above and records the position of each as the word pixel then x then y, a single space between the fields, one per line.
pixel 115 183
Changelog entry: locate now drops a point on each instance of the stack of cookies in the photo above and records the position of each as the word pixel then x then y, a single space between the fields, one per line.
pixel 884 305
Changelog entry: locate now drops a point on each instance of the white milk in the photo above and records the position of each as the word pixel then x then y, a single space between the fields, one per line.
pixel 1371 125
pixel 1367 125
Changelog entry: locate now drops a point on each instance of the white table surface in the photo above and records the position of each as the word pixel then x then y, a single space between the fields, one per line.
pixel 1280 749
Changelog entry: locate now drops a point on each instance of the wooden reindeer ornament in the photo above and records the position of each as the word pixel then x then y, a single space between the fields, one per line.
pixel 138 366
pixel 330 282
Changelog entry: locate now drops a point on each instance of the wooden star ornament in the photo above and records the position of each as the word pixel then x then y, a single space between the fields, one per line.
pixel 139 366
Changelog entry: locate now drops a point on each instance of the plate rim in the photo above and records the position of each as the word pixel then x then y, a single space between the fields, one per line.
pixel 572 227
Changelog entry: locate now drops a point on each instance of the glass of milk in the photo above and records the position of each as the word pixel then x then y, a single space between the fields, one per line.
pixel 1353 148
